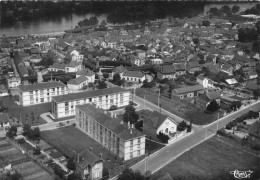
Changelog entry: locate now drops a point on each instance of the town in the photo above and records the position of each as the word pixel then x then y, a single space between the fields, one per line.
pixel 111 101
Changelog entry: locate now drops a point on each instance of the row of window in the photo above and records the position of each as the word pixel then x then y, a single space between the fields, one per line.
pixel 48 90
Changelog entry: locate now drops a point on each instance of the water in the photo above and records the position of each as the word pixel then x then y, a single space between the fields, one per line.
pixel 60 24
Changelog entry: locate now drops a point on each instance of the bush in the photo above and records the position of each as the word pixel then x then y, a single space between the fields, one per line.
pixel 205 23
pixel 113 107
pixel 255 147
pixel 163 137
pixel 36 151
pixel 20 140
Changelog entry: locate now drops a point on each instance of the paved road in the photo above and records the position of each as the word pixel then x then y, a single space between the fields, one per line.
pixel 55 125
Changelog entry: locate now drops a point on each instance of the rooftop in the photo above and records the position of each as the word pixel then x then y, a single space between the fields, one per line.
pixel 39 86
pixel 4 118
pixel 78 80
pixel 87 158
pixel 113 124
pixel 189 89
pixel 88 94
pixel 85 72
pixel 137 74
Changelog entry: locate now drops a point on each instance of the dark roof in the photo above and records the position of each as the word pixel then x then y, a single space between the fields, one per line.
pixel 119 69
pixel 193 64
pixel 179 66
pixel 166 69
pixel 189 89
pixel 44 85
pixel 4 118
pixel 78 80
pixel 162 177
pixel 85 72
pixel 113 124
pixel 87 158
pixel 58 66
pixel 255 129
pixel 137 74
pixel 88 94
pixel 155 120
pixel 73 64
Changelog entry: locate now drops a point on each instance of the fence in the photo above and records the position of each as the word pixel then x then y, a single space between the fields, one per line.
pixel 177 136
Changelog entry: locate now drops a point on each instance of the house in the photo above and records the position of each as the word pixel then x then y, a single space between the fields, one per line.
pixel 204 99
pixel 35 59
pixel 193 66
pixel 3 90
pixel 227 68
pixel 134 76
pixel 64 105
pixel 13 82
pixel 166 71
pixel 188 91
pixel 89 166
pixel 40 92
pixel 206 82
pixel 157 123
pixel 139 61
pixel 231 81
pixel 73 66
pixel 88 74
pixel 4 121
pixel 77 83
pixel 254 133
pixel 251 75
pixel 119 70
pixel 57 67
pixel 179 69
pixel 156 61
pixel 115 135
pixel 76 56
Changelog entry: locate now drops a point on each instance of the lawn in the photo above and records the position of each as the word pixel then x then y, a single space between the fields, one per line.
pixel 70 141
pixel 179 107
pixel 27 114
pixel 212 159
pixel 152 146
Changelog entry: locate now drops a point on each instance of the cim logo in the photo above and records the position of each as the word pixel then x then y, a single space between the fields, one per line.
pixel 241 174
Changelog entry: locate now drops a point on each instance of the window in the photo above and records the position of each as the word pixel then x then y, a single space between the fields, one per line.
pixel 138 153
pixel 131 148
pixel 139 140
pixel 131 155
pixel 97 166
pixel 131 143
pixel 97 175
pixel 138 146
pixel 31 92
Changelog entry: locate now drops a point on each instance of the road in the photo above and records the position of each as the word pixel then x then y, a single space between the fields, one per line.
pixel 55 125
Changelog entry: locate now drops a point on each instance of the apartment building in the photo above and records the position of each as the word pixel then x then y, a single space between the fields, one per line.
pixel 40 93
pixel 109 131
pixel 64 105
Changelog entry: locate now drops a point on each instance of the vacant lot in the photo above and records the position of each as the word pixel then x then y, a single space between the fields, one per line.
pixel 179 107
pixel 27 114
pixel 212 159
pixel 70 141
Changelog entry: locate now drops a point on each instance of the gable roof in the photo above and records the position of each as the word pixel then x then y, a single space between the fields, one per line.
pixel 39 86
pixel 58 66
pixel 137 74
pixel 73 64
pixel 255 129
pixel 113 124
pixel 78 80
pixel 156 119
pixel 87 158
pixel 167 69
pixel 4 118
pixel 189 89
pixel 179 66
pixel 193 64
pixel 85 72
pixel 119 69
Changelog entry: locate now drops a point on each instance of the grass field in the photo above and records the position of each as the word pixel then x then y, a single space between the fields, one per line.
pixel 27 114
pixel 179 107
pixel 70 141
pixel 212 159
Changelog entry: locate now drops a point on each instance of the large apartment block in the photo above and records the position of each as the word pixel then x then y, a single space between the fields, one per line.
pixel 64 106
pixel 40 93
pixel 118 137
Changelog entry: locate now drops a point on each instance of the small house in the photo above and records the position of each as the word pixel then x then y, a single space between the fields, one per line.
pixel 188 91
pixel 254 133
pixel 134 76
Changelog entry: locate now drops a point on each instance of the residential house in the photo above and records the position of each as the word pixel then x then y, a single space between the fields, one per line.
pixel 227 68
pixel 35 59
pixel 73 66
pixel 134 76
pixel 40 93
pixel 206 82
pixel 3 90
pixel 193 66
pixel 156 61
pixel 77 83
pixel 4 121
pixel 251 75
pixel 57 67
pixel 157 123
pixel 121 139
pixel 188 91
pixel 139 61
pixel 89 166
pixel 64 105
pixel 254 133
pixel 166 71
pixel 179 69
pixel 119 70
pixel 88 74
pixel 13 82
pixel 76 56
pixel 206 98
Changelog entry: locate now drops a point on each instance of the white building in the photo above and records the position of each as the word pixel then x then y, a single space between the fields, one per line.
pixel 134 76
pixel 88 74
pixel 77 83
pixel 63 106
pixel 73 66
pixel 118 137
pixel 40 93
pixel 76 56
pixel 13 82
pixel 4 121
pixel 206 82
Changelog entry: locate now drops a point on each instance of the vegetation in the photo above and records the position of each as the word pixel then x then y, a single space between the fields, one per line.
pixel 36 151
pixel 71 164
pixel 213 106
pixel 130 115
pixel 205 23
pixel 163 137
pixel 31 133
pixel 130 174
pixel 12 131
pixel 117 80
pixel 101 84
pixel 88 22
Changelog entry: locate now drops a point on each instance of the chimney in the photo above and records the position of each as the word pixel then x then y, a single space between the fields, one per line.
pixel 100 155
pixel 78 157
pixel 111 114
pixel 131 131
pixel 122 122
pixel 132 126
pixel 128 123
pixel 90 149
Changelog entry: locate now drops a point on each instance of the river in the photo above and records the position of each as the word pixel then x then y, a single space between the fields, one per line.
pixel 60 24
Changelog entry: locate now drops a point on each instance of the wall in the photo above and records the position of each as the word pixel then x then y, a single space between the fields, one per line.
pixel 172 127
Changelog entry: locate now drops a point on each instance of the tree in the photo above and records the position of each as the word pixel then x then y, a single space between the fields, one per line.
pixel 71 164
pixel 196 41
pixel 12 131
pixel 26 129
pixel 235 9
pixel 205 23
pixel 73 176
pixel 226 9
pixel 101 84
pixel 116 77
pixel 130 115
pixel 105 75
pixel 31 133
pixel 103 23
pixel 129 174
pixel 67 60
pixel 36 151
pixel 213 106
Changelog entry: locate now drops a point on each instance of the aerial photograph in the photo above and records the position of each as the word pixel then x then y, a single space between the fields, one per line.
pixel 129 89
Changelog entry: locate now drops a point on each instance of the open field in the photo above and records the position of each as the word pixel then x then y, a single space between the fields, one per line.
pixel 27 114
pixel 70 141
pixel 212 159
pixel 179 107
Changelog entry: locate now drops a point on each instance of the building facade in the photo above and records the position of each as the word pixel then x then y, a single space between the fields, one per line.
pixel 40 93
pixel 64 106
pixel 122 140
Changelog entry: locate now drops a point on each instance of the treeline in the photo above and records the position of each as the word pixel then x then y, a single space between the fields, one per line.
pixel 254 10
pixel 88 22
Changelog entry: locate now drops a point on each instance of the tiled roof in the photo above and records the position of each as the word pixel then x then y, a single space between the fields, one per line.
pixel 179 66
pixel 137 74
pixel 73 64
pixel 44 85
pixel 255 129
pixel 85 72
pixel 193 64
pixel 78 80
pixel 58 66
pixel 167 69
pixel 87 158
pixel 119 69
pixel 88 94
pixel 113 124
pixel 4 118
pixel 189 89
